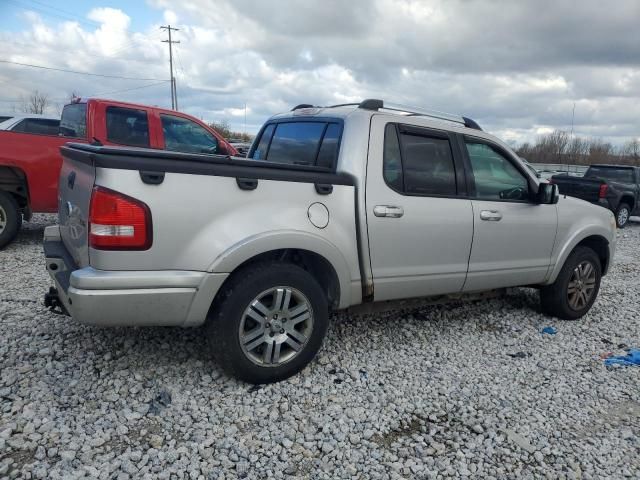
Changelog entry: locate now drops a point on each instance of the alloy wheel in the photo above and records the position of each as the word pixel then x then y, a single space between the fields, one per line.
pixel 276 326
pixel 3 219
pixel 582 285
pixel 623 216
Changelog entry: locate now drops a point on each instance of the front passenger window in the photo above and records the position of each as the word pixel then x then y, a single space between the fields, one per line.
pixel 184 135
pixel 496 178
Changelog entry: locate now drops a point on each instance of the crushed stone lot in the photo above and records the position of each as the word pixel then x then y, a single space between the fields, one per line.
pixel 459 390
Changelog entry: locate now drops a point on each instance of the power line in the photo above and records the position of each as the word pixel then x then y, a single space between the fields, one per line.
pixel 80 73
pixel 64 16
pixel 174 92
pixel 127 89
pixel 60 99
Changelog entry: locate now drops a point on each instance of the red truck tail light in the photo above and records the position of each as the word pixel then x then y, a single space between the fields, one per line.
pixel 118 222
pixel 604 188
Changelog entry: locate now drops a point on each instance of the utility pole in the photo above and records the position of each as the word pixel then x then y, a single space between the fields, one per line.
pixel 174 92
pixel 573 116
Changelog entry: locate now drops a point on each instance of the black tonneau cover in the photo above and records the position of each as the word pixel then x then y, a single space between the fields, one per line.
pixel 154 161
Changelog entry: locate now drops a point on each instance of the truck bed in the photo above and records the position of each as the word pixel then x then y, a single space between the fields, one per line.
pixel 204 208
pixel 579 187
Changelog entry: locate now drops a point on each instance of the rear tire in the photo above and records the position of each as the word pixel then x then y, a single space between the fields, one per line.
pixel 575 290
pixel 268 322
pixel 622 215
pixel 10 218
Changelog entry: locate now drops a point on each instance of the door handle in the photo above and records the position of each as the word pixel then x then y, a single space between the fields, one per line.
pixel 388 211
pixel 490 215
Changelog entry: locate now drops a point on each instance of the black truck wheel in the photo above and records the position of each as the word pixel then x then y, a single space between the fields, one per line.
pixel 268 322
pixel 622 215
pixel 10 218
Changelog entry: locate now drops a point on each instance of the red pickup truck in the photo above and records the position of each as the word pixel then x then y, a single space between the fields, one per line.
pixel 30 163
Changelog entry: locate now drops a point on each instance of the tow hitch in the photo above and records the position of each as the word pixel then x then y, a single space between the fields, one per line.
pixel 53 302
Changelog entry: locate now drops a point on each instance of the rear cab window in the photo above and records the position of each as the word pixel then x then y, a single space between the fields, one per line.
pixel 293 142
pixel 613 174
pixel 73 122
pixel 127 126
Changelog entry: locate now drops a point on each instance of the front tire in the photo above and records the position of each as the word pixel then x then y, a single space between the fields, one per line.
pixel 575 290
pixel 622 215
pixel 10 218
pixel 268 322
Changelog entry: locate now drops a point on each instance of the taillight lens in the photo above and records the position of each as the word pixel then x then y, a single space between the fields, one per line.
pixel 604 188
pixel 118 222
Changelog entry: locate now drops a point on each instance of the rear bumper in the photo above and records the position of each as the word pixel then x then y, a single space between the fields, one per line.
pixel 129 298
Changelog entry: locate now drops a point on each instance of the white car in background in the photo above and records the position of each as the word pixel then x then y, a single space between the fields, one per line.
pixel 31 123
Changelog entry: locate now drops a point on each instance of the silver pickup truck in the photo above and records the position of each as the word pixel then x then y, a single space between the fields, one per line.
pixel 334 207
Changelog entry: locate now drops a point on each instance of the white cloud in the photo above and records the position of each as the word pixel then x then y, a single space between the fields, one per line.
pixel 170 17
pixel 516 67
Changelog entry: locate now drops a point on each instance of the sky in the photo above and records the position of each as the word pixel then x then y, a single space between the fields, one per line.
pixel 518 68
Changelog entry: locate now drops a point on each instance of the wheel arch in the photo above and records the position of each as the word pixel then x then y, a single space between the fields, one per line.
pixel 630 200
pixel 13 180
pixel 594 240
pixel 315 254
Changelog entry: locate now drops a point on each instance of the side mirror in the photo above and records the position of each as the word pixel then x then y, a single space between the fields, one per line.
pixel 548 194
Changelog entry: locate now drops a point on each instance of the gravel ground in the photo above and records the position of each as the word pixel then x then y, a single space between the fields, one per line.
pixel 459 390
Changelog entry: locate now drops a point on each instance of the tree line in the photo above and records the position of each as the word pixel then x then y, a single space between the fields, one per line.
pixel 224 129
pixel 561 147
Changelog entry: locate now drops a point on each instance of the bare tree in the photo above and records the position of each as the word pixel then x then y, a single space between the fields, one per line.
pixel 631 151
pixel 600 151
pixel 559 147
pixel 222 127
pixel 36 103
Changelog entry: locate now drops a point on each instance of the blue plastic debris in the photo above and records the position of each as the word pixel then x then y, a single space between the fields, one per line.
pixel 549 331
pixel 631 358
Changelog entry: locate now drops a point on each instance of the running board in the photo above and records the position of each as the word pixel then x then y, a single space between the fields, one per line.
pixel 414 303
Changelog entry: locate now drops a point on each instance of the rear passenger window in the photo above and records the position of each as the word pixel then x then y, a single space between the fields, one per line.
pixel 392 165
pixel 127 126
pixel 418 164
pixel 300 143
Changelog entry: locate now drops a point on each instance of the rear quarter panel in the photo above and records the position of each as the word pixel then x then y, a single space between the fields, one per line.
pixel 207 223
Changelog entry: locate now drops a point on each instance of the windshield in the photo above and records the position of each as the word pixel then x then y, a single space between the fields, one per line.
pixel 622 175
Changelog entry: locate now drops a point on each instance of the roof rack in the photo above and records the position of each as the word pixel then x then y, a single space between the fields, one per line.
pixel 374 104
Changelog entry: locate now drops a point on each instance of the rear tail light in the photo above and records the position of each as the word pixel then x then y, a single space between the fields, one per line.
pixel 604 188
pixel 118 222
